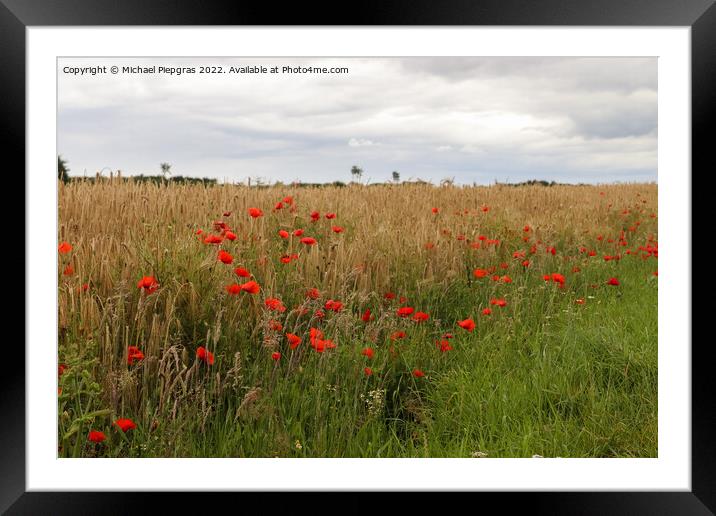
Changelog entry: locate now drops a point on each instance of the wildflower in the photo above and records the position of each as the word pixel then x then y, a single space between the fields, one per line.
pixel 134 353
pixel 368 371
pixel 579 301
pixel 333 305
pixel 255 213
pixel 558 278
pixel 233 289
pixel 293 340
pixel 283 233
pixel 366 317
pixel 275 325
pixel 227 214
pixel 251 287
pixel 330 215
pixel 125 424
pixel 308 240
pixel 288 200
pixel 444 345
pixel 230 235
pixel 526 263
pixel 213 239
pixel 435 210
pixel 96 436
pixel 417 373
pixel 297 232
pixel 64 248
pixel 69 270
pixel 285 258
pixel 276 356
pixel 480 273
pixel 278 206
pixel 225 257
pixel 405 311
pixel 389 295
pixel 397 335
pixel 148 283
pixel 274 304
pixel 506 279
pixel 313 293
pixel 498 302
pixel 337 229
pixel 205 355
pixel 241 272
pixel 486 311
pixel 467 324
pixel 420 316
pixel 315 216
pixel 367 352
pixel 613 281
pixel 526 229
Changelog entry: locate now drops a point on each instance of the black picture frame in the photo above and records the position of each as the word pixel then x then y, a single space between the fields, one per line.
pixel 17 15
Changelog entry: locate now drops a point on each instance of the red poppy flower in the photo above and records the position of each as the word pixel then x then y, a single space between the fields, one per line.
pixel 526 263
pixel 498 302
pixel 225 257
pixel 579 301
pixel 298 232
pixel 274 304
pixel 405 311
pixel 613 282
pixel 227 214
pixel 506 279
pixel 134 354
pixel 480 273
pixel 276 356
pixel 233 289
pixel 367 352
pixel 293 340
pixel 333 305
pixel 368 371
pixel 366 317
pixel 278 206
pixel 330 215
pixel 486 311
pixel 148 283
pixel 315 216
pixel 337 229
pixel 283 233
pixel 313 293
pixel 467 324
pixel 64 248
pixel 213 239
pixel 417 373
pixel 125 424
pixel 526 229
pixel 389 295
pixel 61 369
pixel 255 212
pixel 420 316
pixel 429 245
pixel 199 231
pixel 285 258
pixel 230 235
pixel 251 287
pixel 444 345
pixel 308 240
pixel 275 325
pixel 435 210
pixel 205 355
pixel 288 200
pixel 241 272
pixel 397 335
pixel 69 270
pixel 96 436
pixel 558 278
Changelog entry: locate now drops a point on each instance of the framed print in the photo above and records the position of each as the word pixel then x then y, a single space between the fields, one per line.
pixel 415 253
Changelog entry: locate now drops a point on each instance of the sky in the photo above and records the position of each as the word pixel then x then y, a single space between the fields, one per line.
pixel 473 120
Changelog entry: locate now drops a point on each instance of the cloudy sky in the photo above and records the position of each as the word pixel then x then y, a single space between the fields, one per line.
pixel 477 120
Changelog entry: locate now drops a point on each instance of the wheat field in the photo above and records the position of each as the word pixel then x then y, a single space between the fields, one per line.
pixel 533 328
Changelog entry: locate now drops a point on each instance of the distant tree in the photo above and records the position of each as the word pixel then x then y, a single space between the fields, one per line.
pixel 356 172
pixel 448 181
pixel 165 169
pixel 396 176
pixel 62 169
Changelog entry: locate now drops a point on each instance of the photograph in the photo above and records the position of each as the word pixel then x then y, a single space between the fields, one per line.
pixel 357 257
